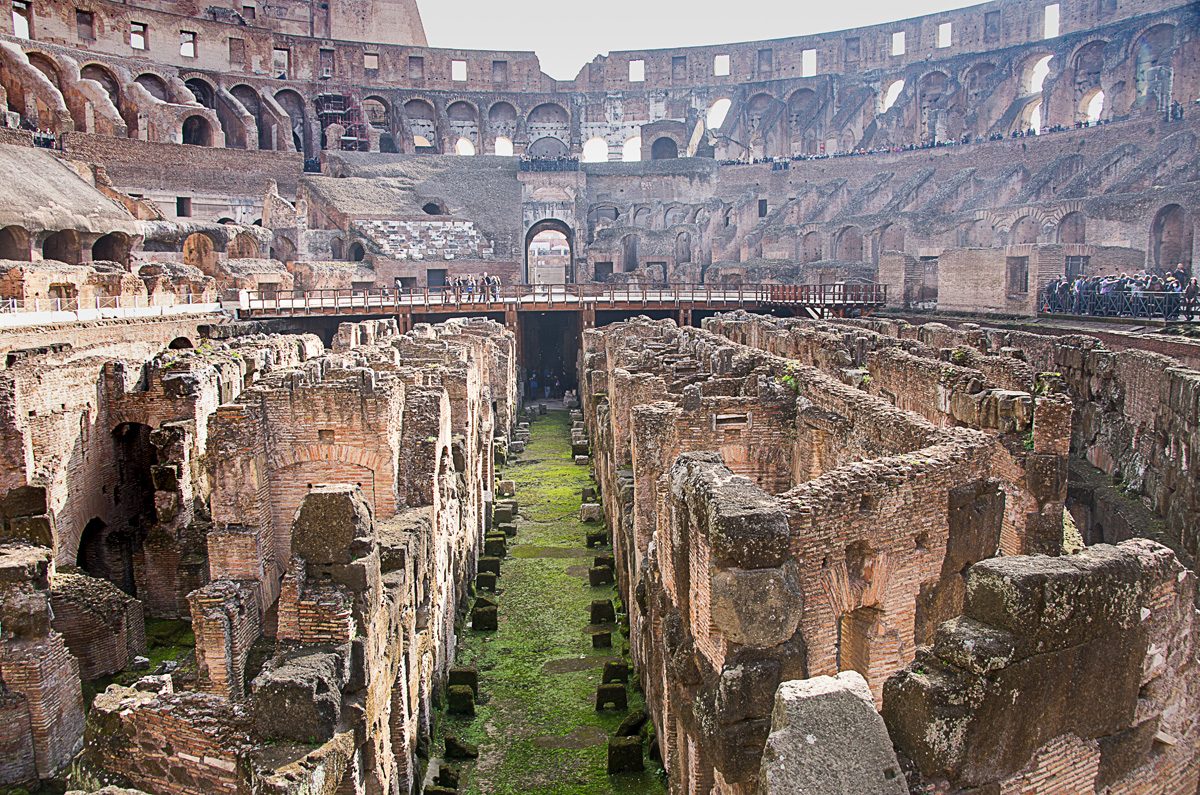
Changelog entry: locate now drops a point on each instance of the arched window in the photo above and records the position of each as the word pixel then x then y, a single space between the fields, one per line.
pixel 717 113
pixel 1171 238
pixel 891 95
pixel 1093 107
pixel 1038 74
pixel 595 150
pixel 632 151
pixel 547 146
pixel 464 147
pixel 357 252
pixel 504 146
pixel 850 245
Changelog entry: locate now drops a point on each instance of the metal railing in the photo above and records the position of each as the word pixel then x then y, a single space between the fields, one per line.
pixel 75 304
pixel 1159 305
pixel 521 296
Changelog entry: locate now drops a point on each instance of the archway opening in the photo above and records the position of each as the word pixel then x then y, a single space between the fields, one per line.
pixel 180 343
pixel 891 95
pixel 357 252
pixel 464 148
pixel 197 131
pixel 1171 238
pixel 1093 108
pixel 14 243
pixel 1037 74
pixel 549 254
pixel 547 147
pixel 113 247
pixel 62 246
pixel 664 149
pixel 717 113
pixel 199 252
pixel 632 151
pixel 504 146
pixel 595 150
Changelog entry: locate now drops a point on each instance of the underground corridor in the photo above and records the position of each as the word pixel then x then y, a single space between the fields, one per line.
pixel 537 726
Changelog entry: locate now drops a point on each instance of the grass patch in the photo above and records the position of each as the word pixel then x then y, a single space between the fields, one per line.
pixel 536 725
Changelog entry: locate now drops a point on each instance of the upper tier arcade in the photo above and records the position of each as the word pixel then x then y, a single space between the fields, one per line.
pixel 247 79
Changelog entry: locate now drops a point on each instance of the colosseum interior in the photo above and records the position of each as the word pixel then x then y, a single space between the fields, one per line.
pixel 814 415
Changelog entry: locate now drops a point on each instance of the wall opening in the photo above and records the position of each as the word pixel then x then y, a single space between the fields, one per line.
pixel 664 149
pixel 595 150
pixel 548 253
pixel 14 243
pixel 62 246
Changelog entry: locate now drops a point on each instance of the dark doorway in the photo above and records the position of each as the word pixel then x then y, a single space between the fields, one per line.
pixel 550 349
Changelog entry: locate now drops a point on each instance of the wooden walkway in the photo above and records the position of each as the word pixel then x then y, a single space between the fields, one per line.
pixel 814 300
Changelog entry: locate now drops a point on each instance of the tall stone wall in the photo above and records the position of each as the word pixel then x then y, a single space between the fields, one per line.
pixel 769 523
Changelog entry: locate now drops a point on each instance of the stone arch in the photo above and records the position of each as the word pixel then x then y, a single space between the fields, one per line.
pixel 243 246
pixel 714 117
pixel 1171 238
pixel 1072 229
pixel 1023 231
pixel 595 150
pixel 891 238
pixel 155 85
pixel 113 247
pixel 200 251
pixel 849 244
pixel 252 102
pixel 62 246
pixel 1087 67
pixel 551 225
pixel 933 95
pixel 641 217
pixel 204 91
pixel 549 120
pixel 196 131
pixel 502 123
pixel 664 148
pixel 760 124
pixel 1151 53
pixel 975 80
pixel 105 77
pixel 293 104
pixel 547 146
pixel 180 344
pixel 683 247
pixel 1034 71
pixel 377 112
pixel 356 252
pixel 14 243
pixel 810 247
pixel 463 118
pixel 422 123
pixel 629 253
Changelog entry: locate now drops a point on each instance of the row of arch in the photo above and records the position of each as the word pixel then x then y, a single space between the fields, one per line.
pixel 64 245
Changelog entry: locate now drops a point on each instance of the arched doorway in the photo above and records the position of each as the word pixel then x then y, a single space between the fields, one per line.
pixel 1171 238
pixel 197 131
pixel 664 149
pixel 180 343
pixel 113 247
pixel 62 246
pixel 14 243
pixel 549 254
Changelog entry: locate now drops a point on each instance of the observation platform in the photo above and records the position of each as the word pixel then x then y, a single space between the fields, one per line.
pixel 816 301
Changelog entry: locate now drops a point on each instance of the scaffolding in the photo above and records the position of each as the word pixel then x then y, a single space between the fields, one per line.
pixel 346 111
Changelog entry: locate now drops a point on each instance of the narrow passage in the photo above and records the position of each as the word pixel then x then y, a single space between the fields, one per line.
pixel 536 724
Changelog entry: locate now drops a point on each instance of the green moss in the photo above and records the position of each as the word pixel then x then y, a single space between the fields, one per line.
pixel 535 721
pixel 165 640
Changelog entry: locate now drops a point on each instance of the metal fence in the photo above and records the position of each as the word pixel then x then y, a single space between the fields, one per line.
pixel 1160 306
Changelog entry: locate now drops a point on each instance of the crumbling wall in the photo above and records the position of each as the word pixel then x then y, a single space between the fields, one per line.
pixel 823 530
pixel 1063 675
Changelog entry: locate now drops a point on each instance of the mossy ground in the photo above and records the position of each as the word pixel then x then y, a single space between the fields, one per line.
pixel 166 640
pixel 535 724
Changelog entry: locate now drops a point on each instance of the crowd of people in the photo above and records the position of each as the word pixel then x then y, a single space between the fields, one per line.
pixel 545 386
pixel 1143 294
pixel 484 287
pixel 782 163
pixel 555 163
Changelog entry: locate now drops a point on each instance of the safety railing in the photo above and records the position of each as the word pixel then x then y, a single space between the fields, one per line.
pixel 522 296
pixel 76 304
pixel 1153 306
